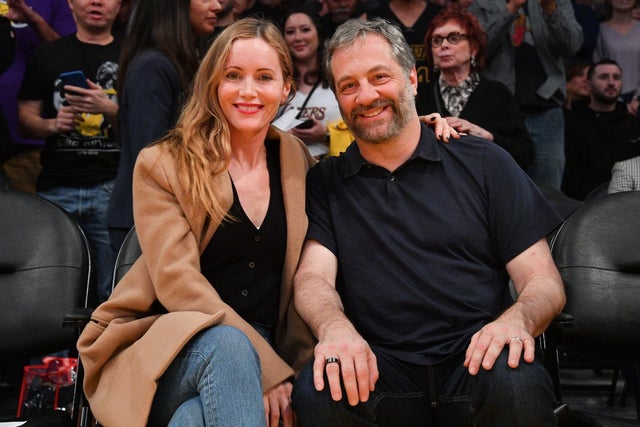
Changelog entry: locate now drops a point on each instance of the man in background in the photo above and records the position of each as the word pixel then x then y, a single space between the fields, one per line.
pixel 80 158
pixel 598 134
pixel 528 41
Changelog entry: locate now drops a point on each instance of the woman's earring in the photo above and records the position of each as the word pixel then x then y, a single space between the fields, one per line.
pixel 473 61
pixel 435 68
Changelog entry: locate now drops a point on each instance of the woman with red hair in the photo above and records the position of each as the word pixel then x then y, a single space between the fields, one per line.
pixel 456 45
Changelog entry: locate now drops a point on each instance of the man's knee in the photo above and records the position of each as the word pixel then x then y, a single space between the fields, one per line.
pixel 525 380
pixel 310 405
pixel 304 390
pixel 526 390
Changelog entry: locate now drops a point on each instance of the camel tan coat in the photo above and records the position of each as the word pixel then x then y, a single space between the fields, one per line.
pixel 164 300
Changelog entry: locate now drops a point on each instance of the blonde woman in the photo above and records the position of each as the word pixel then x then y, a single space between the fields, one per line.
pixel 198 332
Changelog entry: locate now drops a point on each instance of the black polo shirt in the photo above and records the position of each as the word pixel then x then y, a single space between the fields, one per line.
pixel 422 250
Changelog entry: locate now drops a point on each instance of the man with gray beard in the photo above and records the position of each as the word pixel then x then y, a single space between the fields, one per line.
pixel 404 276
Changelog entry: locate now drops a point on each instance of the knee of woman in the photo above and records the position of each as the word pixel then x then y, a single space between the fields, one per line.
pixel 229 341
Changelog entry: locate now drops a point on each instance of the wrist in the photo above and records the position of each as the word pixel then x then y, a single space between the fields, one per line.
pixel 328 328
pixel 32 17
pixel 51 127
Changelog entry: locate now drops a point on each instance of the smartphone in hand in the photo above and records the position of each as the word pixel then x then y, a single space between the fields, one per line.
pixel 73 78
pixel 305 125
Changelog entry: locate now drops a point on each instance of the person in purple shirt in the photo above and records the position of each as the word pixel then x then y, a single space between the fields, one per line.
pixel 34 23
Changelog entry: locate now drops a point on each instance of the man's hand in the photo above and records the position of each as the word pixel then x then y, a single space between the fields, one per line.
pixel 487 344
pixel 65 120
pixel 540 298
pixel 341 351
pixel 92 100
pixel 350 358
pixel 19 11
pixel 277 405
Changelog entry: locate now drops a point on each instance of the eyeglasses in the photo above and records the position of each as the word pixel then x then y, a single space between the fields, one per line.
pixel 453 39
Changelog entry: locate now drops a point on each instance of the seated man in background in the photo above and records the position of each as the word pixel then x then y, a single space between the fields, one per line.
pixel 404 277
pixel 625 176
pixel 598 134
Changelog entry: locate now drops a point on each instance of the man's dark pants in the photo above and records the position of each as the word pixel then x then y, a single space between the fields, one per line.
pixel 441 395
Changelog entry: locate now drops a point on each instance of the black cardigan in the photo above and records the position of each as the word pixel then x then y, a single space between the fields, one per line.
pixel 492 107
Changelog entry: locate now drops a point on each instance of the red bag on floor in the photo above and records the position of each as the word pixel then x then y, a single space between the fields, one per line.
pixel 48 386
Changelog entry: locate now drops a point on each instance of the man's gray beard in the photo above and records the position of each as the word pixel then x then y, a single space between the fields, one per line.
pixel 404 110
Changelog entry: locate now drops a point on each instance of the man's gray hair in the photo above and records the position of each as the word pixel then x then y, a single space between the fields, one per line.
pixel 358 29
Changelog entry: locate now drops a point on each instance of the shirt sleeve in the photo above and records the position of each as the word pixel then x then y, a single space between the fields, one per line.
pixel 320 222
pixel 519 214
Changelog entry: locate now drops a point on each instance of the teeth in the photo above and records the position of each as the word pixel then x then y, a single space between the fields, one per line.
pixel 247 108
pixel 373 113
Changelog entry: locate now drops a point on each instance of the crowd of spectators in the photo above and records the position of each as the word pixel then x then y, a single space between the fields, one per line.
pixel 532 70
pixel 555 83
pixel 539 49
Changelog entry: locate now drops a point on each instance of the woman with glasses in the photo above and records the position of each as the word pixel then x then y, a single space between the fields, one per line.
pixel 455 45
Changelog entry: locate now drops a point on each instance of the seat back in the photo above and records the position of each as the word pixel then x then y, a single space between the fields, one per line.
pixel 562 203
pixel 127 255
pixel 597 192
pixel 44 273
pixel 597 251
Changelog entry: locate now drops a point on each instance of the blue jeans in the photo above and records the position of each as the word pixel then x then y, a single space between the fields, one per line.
pixel 438 395
pixel 214 381
pixel 89 206
pixel 547 134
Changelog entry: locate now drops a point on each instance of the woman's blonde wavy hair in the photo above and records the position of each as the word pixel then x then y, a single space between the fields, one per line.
pixel 200 142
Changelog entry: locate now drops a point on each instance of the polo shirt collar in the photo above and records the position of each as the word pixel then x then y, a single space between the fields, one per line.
pixel 427 149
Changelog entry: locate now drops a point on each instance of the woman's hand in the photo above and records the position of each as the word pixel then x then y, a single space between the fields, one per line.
pixel 465 126
pixel 277 405
pixel 316 132
pixel 442 128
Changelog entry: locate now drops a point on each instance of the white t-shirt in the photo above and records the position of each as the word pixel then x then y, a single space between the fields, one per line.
pixel 322 106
